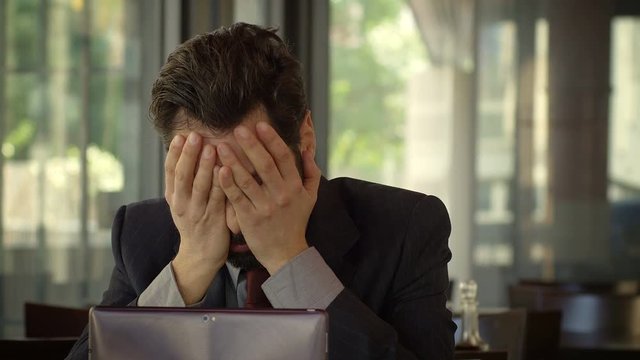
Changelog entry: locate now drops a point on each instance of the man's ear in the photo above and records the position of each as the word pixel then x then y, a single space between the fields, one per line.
pixel 307 135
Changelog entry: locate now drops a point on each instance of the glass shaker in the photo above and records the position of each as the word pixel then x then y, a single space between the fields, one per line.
pixel 470 339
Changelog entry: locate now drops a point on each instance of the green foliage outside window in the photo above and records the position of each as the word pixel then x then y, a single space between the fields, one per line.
pixel 374 50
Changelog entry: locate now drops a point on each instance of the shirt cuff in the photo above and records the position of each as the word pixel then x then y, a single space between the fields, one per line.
pixel 163 291
pixel 304 282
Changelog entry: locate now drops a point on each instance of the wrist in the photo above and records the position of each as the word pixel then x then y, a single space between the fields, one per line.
pixel 274 265
pixel 193 276
pixel 196 263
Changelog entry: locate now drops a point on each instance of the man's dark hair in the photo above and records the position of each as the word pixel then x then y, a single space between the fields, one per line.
pixel 219 77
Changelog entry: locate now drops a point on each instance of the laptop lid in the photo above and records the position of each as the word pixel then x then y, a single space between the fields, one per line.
pixel 189 333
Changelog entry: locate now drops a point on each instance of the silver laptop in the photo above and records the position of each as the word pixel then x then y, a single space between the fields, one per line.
pixel 188 333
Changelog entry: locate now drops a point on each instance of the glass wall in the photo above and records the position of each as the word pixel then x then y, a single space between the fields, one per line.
pixel 71 114
pixel 556 192
pixel 535 102
pixel 400 81
pixel 495 147
pixel 378 60
pixel 624 145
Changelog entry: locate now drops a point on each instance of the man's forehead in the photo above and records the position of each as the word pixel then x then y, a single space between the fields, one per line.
pixel 250 120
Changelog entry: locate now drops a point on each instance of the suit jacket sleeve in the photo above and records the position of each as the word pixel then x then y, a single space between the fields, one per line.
pixel 119 293
pixel 419 325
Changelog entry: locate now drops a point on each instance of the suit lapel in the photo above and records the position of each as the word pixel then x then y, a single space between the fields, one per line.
pixel 216 293
pixel 332 231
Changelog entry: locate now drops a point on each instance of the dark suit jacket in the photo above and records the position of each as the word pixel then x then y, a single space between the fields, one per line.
pixel 388 246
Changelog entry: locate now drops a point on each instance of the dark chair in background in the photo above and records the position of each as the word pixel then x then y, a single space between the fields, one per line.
pixel 49 321
pixel 35 348
pixel 50 332
pixel 594 325
pixel 524 334
pixel 610 314
pixel 625 287
pixel 480 355
pixel 502 330
pixel 542 335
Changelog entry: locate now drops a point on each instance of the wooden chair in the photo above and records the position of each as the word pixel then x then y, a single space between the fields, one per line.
pixel 50 321
pixel 503 330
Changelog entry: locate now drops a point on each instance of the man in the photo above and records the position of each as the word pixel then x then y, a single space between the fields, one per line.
pixel 243 193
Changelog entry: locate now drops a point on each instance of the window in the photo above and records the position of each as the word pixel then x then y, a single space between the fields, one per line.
pixel 624 147
pixel 72 113
pixel 399 110
pixel 549 152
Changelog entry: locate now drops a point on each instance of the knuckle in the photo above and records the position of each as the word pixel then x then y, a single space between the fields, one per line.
pixel 283 200
pixel 234 197
pixel 179 211
pixel 215 203
pixel 245 184
pixel 180 175
pixel 285 155
pixel 268 211
pixel 193 218
pixel 169 168
pixel 297 187
pixel 200 188
pixel 216 189
pixel 268 167
pixel 173 154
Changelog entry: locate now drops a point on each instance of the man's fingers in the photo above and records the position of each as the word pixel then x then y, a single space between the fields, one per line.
pixel 311 180
pixel 216 206
pixel 280 152
pixel 185 168
pixel 241 177
pixel 203 178
pixel 175 149
pixel 261 159
pixel 235 195
pixel 217 197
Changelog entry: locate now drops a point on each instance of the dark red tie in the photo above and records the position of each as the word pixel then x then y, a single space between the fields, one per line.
pixel 256 298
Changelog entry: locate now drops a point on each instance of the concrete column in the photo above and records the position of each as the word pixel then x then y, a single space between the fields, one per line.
pixel 579 50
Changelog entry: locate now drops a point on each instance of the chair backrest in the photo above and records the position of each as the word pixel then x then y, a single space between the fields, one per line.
pixel 502 330
pixel 624 287
pixel 590 313
pixel 542 335
pixel 20 349
pixel 50 321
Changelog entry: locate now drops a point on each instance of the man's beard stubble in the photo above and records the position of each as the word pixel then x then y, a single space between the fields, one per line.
pixel 243 260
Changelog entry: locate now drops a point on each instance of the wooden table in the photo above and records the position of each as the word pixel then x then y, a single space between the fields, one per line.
pixel 480 355
pixel 596 346
pixel 35 348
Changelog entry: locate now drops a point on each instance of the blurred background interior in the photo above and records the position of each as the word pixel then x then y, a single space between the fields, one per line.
pixel 522 115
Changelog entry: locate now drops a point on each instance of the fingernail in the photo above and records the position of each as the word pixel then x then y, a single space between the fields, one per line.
pixel 207 152
pixel 242 132
pixel 193 138
pixel 178 140
pixel 262 126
